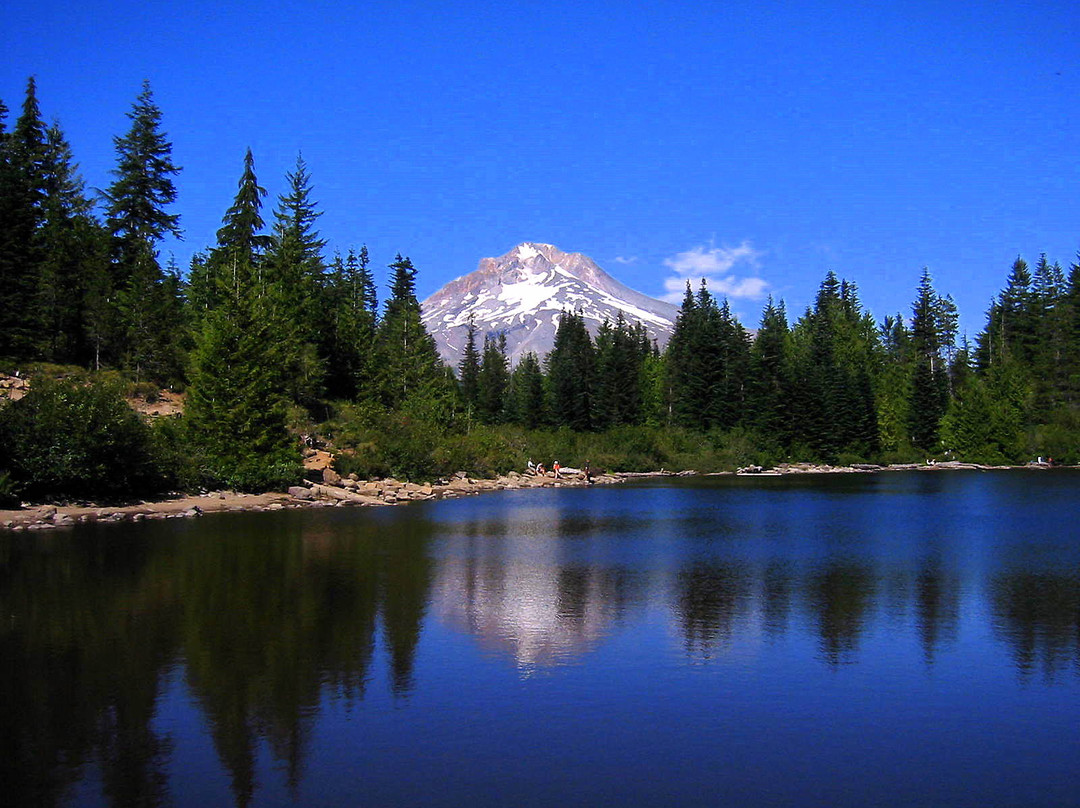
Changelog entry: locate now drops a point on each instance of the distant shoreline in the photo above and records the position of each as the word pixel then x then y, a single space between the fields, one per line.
pixel 374 493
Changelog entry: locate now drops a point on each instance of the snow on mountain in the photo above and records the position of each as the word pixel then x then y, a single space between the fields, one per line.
pixel 522 295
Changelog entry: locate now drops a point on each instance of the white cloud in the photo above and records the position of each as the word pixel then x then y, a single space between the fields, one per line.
pixel 714 265
pixel 622 259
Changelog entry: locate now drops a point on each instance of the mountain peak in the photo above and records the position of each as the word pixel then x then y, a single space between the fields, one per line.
pixel 522 294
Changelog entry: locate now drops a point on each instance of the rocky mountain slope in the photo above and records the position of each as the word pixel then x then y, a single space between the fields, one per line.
pixel 523 293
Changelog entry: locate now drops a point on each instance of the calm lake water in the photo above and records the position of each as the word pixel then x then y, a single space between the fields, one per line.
pixel 849 640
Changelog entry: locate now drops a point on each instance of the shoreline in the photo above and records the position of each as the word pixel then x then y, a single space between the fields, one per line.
pixel 337 492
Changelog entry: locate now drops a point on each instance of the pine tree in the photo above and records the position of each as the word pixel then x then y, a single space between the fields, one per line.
pixel 349 342
pixel 1010 327
pixel 235 410
pixel 137 219
pixel 931 330
pixel 768 392
pixel 240 235
pixel 22 213
pixel 294 279
pixel 527 404
pixel 469 369
pixel 236 399
pixel 1048 362
pixel 833 360
pixel 1070 316
pixel 692 360
pixel 571 374
pixel 493 381
pixel 74 254
pixel 620 353
pixel 409 367
pixel 136 201
pixel 893 387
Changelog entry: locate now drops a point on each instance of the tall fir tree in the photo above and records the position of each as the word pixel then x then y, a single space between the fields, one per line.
pixel 137 219
pixel 241 229
pixel 73 255
pixel 932 330
pixel 409 367
pixel 236 413
pixel 571 374
pixel 620 354
pixel 689 375
pixel 469 370
pixel 349 342
pixel 294 271
pixel 528 407
pixel 493 381
pixel 22 213
pixel 136 201
pixel 768 383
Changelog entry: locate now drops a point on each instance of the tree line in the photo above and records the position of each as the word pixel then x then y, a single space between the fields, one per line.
pixel 263 330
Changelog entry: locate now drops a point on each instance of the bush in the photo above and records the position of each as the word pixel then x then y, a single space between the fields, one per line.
pixel 8 496
pixel 147 391
pixel 78 439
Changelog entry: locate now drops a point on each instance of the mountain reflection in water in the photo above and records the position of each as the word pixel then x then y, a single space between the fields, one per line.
pixel 261 626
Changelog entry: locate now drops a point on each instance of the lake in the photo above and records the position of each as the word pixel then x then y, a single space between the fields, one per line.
pixel 896 639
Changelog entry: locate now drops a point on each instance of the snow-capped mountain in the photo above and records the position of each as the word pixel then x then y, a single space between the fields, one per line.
pixel 523 293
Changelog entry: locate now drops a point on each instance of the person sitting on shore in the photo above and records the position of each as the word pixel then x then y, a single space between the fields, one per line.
pixel 540 472
pixel 555 468
pixel 532 467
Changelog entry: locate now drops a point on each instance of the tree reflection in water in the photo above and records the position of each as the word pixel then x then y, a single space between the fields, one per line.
pixel 266 616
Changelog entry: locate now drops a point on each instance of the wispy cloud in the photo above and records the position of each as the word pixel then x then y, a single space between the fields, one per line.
pixel 622 259
pixel 714 265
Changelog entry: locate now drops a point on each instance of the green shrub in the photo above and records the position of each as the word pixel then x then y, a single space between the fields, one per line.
pixel 74 439
pixel 8 495
pixel 147 391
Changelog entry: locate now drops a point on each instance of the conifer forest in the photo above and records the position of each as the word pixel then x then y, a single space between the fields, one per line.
pixel 274 338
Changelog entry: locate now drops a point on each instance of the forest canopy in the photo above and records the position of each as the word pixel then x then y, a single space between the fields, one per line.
pixel 270 334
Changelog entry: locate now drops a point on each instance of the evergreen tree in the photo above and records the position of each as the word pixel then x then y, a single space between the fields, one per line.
pixel 734 344
pixel 527 404
pixel 296 254
pixel 22 213
pixel 469 369
pixel 350 340
pixel 834 357
pixel 620 354
pixel 408 361
pixel 493 381
pixel 571 372
pixel 137 220
pixel 690 360
pixel 235 409
pixel 1070 317
pixel 136 201
pixel 294 279
pixel 932 329
pixel 893 385
pixel 768 392
pixel 1048 363
pixel 73 253
pixel 241 234
pixel 1010 327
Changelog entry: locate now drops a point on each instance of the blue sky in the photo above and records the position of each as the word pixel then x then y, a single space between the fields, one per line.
pixel 758 144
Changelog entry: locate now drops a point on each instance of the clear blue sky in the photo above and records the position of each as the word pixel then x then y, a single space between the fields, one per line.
pixel 760 143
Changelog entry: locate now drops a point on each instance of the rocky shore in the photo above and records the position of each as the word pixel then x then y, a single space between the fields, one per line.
pixel 335 491
pixel 332 491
